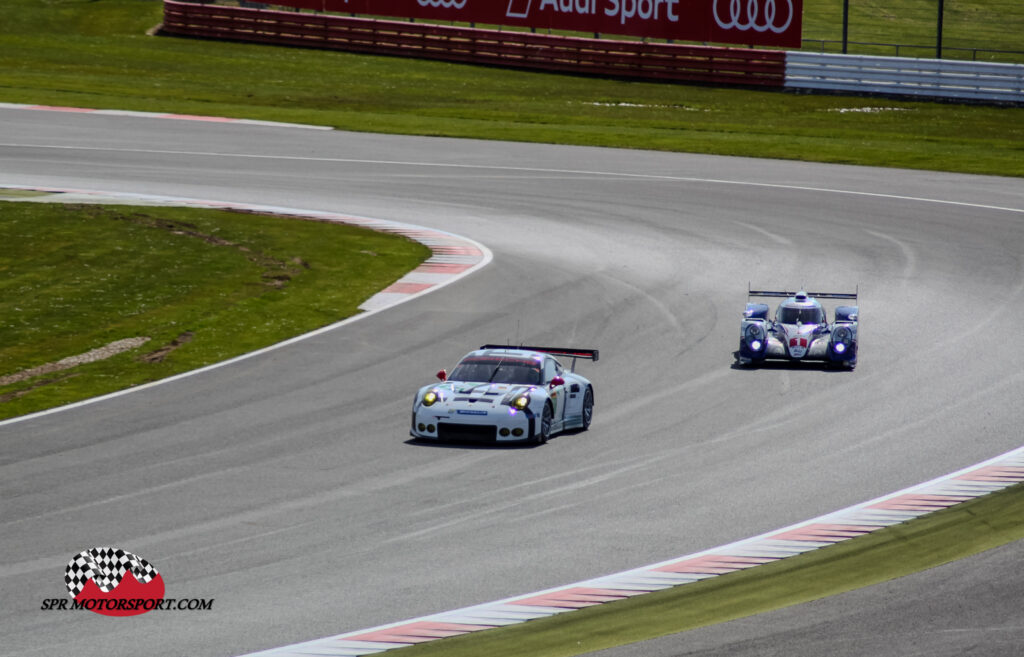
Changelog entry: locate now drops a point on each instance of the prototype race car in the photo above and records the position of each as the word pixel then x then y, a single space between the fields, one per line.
pixel 800 330
pixel 500 394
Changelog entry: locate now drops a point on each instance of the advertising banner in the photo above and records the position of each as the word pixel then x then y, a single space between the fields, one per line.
pixel 774 23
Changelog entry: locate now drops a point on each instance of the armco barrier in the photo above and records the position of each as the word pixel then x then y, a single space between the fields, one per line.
pixel 603 57
pixel 903 76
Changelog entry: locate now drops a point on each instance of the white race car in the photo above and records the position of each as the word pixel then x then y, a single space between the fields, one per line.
pixel 800 330
pixel 500 394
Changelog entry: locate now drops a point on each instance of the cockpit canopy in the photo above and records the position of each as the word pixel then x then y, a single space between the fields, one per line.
pixel 496 369
pixel 800 314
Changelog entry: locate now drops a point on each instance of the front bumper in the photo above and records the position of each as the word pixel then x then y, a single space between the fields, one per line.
pixel 500 424
pixel 819 350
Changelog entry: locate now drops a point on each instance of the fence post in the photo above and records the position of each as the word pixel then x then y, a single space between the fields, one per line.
pixel 846 23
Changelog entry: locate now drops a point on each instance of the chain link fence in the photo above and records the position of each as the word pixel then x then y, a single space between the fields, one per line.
pixel 974 30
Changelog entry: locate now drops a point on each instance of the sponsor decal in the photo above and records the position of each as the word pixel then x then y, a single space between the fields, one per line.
pixel 746 22
pixel 114 582
pixel 518 8
pixel 621 10
pixel 758 15
pixel 463 412
pixel 446 4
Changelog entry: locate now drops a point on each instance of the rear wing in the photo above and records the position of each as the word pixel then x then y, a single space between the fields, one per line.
pixel 818 295
pixel 589 354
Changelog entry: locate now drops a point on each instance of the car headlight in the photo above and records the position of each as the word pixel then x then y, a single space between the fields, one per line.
pixel 521 402
pixel 843 335
pixel 429 398
pixel 755 338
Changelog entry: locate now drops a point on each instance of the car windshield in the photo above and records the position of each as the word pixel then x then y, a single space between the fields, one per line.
pixel 806 315
pixel 497 370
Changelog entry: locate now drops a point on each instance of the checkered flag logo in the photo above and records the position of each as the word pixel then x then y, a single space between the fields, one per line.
pixel 106 567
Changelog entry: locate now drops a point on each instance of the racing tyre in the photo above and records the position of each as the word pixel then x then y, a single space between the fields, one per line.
pixel 588 408
pixel 544 430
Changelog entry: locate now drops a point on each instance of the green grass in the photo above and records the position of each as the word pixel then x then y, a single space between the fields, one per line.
pixel 216 284
pixel 94 54
pixel 931 541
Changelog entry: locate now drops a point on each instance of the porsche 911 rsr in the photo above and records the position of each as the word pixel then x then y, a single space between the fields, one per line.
pixel 800 330
pixel 500 394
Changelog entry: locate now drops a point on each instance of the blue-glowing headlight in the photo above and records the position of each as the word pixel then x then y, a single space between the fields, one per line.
pixel 840 348
pixel 756 345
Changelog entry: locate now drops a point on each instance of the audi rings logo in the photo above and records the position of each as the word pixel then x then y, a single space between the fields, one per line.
pixel 757 15
pixel 446 4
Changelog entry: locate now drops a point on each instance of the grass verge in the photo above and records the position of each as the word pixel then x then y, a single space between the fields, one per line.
pixel 927 542
pixel 105 61
pixel 202 285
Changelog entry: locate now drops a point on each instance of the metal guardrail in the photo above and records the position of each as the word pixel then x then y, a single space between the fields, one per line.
pixel 901 76
pixel 919 49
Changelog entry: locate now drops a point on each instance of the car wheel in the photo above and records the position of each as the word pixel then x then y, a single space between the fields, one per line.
pixel 588 408
pixel 544 430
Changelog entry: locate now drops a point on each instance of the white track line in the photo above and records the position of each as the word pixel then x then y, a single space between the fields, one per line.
pixel 160 115
pixel 534 170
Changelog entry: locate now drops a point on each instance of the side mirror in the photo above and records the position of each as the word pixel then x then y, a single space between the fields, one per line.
pixel 442 375
pixel 557 381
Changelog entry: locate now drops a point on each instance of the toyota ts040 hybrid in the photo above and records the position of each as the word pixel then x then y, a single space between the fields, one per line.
pixel 506 394
pixel 800 330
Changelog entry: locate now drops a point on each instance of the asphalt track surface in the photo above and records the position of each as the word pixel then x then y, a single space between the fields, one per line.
pixel 284 486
